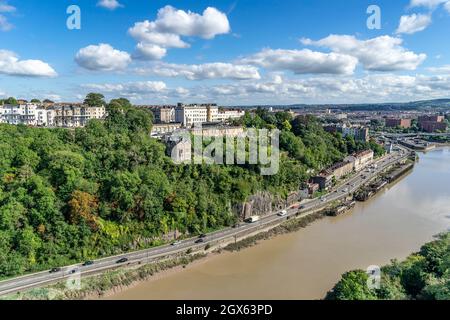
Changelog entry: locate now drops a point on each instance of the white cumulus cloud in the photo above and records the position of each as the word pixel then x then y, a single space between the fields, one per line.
pixel 171 24
pixel 207 25
pixel 427 3
pixel 10 64
pixel 384 53
pixel 447 6
pixel 442 69
pixel 217 70
pixel 5 7
pixel 145 32
pixel 413 23
pixel 303 61
pixel 102 57
pixel 328 89
pixel 149 51
pixel 109 4
pixel 274 89
pixel 130 88
pixel 4 24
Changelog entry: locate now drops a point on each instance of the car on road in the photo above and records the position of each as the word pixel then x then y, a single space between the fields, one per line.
pixel 175 243
pixel 201 240
pixel 54 270
pixel 88 263
pixel 202 236
pixel 253 219
pixel 123 260
pixel 282 213
pixel 72 271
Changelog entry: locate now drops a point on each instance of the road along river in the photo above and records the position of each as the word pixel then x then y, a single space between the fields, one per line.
pixel 306 264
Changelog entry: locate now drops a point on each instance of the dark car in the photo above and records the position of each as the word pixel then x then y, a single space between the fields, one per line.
pixel 73 271
pixel 202 236
pixel 123 260
pixel 88 263
pixel 200 240
pixel 54 270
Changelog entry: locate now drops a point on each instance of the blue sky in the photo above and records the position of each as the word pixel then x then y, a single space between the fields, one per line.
pixel 232 52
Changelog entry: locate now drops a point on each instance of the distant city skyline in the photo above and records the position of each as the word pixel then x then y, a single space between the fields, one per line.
pixel 227 51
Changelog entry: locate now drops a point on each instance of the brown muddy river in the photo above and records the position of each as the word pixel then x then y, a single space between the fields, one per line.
pixel 306 264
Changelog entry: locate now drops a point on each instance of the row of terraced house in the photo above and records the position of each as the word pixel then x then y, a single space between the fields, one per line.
pixel 353 163
pixel 64 115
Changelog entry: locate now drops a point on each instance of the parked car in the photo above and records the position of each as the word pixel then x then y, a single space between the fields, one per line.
pixel 175 243
pixel 88 263
pixel 54 270
pixel 202 236
pixel 199 240
pixel 123 260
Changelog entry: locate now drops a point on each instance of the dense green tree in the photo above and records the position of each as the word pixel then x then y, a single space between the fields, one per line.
pixel 95 100
pixel 436 256
pixel 424 276
pixel 413 276
pixel 292 144
pixel 11 100
pixel 352 286
pixel 121 103
pixel 70 195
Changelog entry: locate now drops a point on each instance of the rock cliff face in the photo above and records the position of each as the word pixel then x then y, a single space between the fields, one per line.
pixel 263 203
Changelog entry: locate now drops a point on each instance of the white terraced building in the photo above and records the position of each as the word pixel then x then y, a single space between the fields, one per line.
pixel 189 115
pixel 19 114
pixel 69 116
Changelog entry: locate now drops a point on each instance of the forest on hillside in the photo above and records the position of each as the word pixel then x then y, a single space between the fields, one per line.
pixel 67 196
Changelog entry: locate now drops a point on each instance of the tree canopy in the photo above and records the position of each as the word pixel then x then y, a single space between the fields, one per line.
pixel 95 100
pixel 422 276
pixel 11 101
pixel 71 195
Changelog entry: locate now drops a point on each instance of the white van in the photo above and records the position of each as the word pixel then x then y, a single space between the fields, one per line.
pixel 253 219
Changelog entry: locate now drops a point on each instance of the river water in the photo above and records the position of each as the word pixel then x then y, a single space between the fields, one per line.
pixel 306 264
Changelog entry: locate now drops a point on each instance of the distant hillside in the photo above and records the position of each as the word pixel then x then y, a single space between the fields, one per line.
pixel 434 105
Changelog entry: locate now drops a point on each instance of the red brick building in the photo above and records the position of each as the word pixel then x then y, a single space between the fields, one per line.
pixel 393 122
pixel 432 123
pixel 432 126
